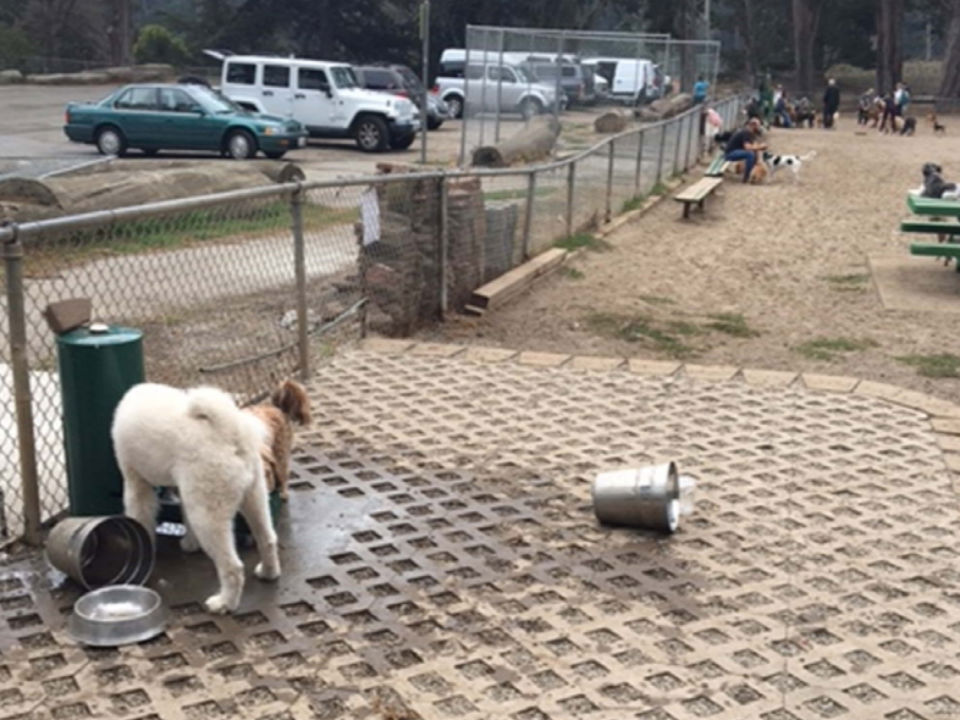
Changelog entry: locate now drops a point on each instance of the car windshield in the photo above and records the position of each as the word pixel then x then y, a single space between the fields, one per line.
pixel 343 77
pixel 523 75
pixel 212 100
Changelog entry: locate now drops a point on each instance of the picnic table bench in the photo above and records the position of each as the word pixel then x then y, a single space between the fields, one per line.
pixel 945 230
pixel 718 167
pixel 933 206
pixel 697 193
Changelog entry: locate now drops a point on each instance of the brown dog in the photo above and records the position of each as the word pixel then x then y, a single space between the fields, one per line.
pixel 289 404
pixel 938 128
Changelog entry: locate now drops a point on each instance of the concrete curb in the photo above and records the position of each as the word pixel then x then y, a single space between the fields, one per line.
pixel 944 416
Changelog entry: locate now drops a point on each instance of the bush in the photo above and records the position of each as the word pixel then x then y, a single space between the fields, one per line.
pixel 15 47
pixel 156 44
pixel 923 77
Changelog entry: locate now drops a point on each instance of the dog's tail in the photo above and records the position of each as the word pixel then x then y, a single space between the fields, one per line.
pixel 218 408
pixel 292 400
pixel 809 156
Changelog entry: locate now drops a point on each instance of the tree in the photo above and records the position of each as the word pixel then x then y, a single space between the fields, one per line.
pixel 950 80
pixel 155 44
pixel 806 21
pixel 889 44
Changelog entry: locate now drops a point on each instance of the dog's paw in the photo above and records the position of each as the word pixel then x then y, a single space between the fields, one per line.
pixel 216 605
pixel 264 573
pixel 189 544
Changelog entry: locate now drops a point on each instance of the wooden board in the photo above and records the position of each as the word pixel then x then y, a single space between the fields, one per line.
pixel 936 249
pixel 699 190
pixel 497 292
pixel 933 206
pixel 930 226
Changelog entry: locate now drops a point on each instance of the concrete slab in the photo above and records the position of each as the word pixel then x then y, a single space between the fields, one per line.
pixel 441 559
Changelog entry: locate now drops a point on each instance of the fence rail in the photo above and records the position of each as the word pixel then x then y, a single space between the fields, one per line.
pixel 243 288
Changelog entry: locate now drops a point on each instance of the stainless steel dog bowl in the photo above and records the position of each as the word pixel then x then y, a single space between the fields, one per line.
pixel 646 497
pixel 117 615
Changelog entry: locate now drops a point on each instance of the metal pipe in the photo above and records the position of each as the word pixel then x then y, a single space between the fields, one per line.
pixel 444 240
pixel 571 173
pixel 300 271
pixel 608 214
pixel 561 40
pixel 20 364
pixel 499 89
pixel 676 145
pixel 466 97
pixel 528 216
pixel 636 182
pixel 663 149
pixel 425 72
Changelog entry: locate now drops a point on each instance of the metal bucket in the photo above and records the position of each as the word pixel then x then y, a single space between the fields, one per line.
pixel 99 551
pixel 646 497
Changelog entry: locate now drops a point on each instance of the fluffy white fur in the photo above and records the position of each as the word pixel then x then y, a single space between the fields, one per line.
pixel 199 442
pixel 794 162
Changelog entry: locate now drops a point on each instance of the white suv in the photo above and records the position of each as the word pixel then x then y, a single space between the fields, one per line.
pixel 323 96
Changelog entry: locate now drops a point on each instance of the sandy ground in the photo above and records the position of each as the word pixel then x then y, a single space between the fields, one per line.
pixel 791 259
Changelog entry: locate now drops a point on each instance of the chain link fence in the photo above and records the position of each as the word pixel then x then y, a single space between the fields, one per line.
pixel 243 288
pixel 503 76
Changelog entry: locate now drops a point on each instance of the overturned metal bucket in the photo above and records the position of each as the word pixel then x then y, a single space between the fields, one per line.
pixel 100 551
pixel 651 497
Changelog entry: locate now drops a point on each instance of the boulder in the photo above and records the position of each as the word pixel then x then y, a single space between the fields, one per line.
pixel 611 122
pixel 9 77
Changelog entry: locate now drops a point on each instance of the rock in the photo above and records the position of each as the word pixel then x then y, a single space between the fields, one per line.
pixel 9 77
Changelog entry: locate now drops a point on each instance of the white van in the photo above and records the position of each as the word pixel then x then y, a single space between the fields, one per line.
pixel 323 96
pixel 631 81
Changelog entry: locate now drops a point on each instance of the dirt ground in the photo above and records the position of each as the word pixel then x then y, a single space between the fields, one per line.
pixel 774 276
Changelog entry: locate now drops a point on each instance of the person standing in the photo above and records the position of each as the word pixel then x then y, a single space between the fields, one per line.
pixel 831 102
pixel 700 88
pixel 889 113
pixel 744 147
pixel 902 99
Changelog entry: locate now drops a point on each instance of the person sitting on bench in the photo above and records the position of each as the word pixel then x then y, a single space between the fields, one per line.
pixel 743 147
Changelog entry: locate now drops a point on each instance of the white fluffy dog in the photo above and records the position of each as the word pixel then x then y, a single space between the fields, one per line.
pixel 199 442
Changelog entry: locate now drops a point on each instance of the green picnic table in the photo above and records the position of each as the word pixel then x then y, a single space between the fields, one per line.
pixel 933 206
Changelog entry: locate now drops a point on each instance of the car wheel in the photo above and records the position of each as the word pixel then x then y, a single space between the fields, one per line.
pixel 372 134
pixel 434 123
pixel 403 142
pixel 455 106
pixel 530 107
pixel 241 145
pixel 110 141
pixel 275 155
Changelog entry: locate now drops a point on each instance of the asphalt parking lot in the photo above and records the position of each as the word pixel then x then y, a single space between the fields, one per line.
pixel 32 140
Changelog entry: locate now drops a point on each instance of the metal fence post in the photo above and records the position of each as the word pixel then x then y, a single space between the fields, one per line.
pixel 528 217
pixel 609 203
pixel 663 149
pixel 444 241
pixel 571 173
pixel 636 182
pixel 300 271
pixel 676 145
pixel 20 364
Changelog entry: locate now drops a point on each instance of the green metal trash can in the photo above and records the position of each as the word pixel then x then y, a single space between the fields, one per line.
pixel 98 364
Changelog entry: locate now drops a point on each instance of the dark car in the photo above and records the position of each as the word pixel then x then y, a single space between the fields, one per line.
pixel 179 117
pixel 576 80
pixel 401 80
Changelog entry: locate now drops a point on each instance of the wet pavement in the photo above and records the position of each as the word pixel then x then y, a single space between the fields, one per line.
pixel 441 559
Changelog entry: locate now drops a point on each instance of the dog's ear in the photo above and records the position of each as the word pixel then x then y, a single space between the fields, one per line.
pixel 293 401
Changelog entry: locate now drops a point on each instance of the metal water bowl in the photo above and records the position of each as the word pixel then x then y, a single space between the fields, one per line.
pixel 117 615
pixel 652 497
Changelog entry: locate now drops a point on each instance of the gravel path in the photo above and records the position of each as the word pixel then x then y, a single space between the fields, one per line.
pixel 773 276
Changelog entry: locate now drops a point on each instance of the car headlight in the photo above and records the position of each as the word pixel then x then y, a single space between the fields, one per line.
pixel 269 131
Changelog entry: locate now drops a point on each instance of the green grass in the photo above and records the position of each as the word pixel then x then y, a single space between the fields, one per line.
pixel 518 194
pixel 581 240
pixel 659 189
pixel 943 365
pixel 854 282
pixel 572 273
pixel 732 324
pixel 829 348
pixel 645 330
pixel 634 203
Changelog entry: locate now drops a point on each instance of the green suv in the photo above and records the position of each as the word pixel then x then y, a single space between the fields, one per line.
pixel 179 117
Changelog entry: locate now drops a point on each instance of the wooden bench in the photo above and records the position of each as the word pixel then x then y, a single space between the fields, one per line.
pixel 697 193
pixel 718 167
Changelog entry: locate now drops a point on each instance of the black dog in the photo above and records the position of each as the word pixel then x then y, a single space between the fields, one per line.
pixel 909 126
pixel 934 186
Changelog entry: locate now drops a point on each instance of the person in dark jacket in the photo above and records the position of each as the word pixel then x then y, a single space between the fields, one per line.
pixel 831 102
pixel 745 146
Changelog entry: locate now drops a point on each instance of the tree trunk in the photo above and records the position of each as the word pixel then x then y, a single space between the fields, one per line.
pixel 950 81
pixel 806 19
pixel 748 41
pixel 889 44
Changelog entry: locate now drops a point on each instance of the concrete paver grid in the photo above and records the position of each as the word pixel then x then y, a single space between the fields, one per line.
pixel 441 559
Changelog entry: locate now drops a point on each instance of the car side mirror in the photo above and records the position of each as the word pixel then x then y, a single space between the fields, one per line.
pixel 325 89
pixel 198 110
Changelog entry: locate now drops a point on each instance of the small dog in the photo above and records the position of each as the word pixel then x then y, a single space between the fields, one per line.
pixel 758 174
pixel 909 125
pixel 938 128
pixel 794 162
pixel 934 186
pixel 199 442
pixel 289 404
